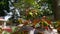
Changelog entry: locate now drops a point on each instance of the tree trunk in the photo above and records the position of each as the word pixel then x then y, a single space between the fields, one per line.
pixel 56 10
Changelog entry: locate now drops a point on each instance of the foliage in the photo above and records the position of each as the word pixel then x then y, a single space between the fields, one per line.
pixel 46 7
pixel 56 24
pixel 43 7
pixel 4 5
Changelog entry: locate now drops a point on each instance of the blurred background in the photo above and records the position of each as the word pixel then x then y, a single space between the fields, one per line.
pixel 22 16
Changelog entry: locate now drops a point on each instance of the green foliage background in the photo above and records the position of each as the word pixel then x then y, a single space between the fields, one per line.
pixel 4 5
